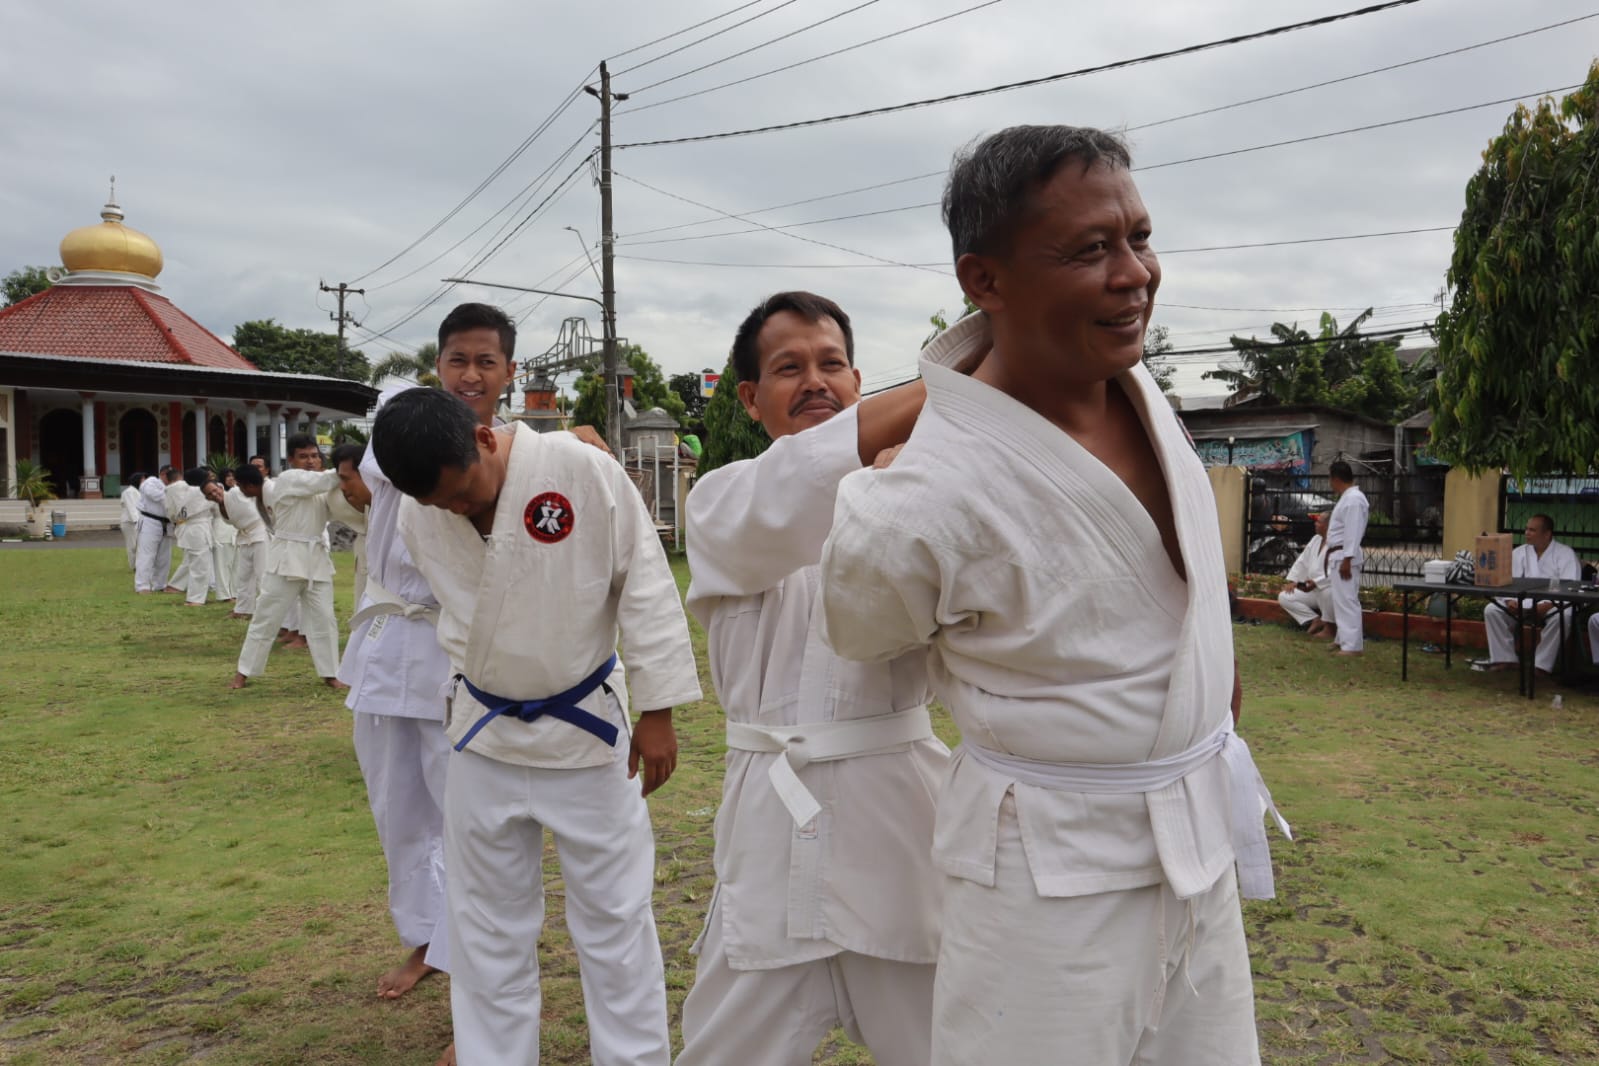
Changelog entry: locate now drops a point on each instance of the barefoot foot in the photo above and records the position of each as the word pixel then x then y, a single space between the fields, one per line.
pixel 400 980
pixel 448 1058
pixel 335 684
pixel 239 681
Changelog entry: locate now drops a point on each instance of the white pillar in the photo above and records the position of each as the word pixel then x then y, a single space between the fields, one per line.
pixel 88 436
pixel 275 459
pixel 250 442
pixel 200 428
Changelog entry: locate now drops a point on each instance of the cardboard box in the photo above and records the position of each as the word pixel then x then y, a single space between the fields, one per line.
pixel 1493 559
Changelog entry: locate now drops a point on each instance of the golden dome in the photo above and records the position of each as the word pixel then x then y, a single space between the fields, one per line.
pixel 111 246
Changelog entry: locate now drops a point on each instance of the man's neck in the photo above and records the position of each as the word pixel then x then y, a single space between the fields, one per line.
pixel 1539 549
pixel 1080 408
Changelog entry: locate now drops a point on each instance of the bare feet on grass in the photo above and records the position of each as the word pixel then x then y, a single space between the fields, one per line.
pixel 239 681
pixel 338 686
pixel 400 980
pixel 448 1058
pixel 296 642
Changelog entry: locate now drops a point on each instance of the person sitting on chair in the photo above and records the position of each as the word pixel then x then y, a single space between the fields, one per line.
pixel 1541 555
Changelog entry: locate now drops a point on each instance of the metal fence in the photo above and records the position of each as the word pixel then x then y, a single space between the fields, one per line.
pixel 1571 500
pixel 1404 530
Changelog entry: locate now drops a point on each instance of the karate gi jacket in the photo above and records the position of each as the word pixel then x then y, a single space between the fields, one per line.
pixel 298 500
pixel 860 876
pixel 244 516
pixel 1310 566
pixel 1346 528
pixel 193 516
pixel 1058 629
pixel 130 505
pixel 1558 561
pixel 535 607
pixel 172 497
pixel 393 663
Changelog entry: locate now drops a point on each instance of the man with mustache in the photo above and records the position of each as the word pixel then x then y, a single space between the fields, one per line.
pixel 1049 537
pixel 826 904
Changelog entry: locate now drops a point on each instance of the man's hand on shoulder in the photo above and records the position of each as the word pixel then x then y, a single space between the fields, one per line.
pixel 886 457
pixel 655 746
pixel 588 436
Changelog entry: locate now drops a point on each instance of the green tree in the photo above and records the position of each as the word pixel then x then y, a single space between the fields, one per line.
pixel 686 387
pixel 278 349
pixel 940 323
pixel 649 390
pixel 21 284
pixel 1157 344
pixel 418 366
pixel 730 433
pixel 1516 346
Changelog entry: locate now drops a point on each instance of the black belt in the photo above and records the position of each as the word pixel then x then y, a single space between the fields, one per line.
pixel 159 518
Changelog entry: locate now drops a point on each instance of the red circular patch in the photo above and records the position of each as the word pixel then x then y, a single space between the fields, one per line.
pixel 548 517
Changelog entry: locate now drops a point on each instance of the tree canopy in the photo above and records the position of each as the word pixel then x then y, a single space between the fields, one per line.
pixel 687 388
pixel 419 366
pixel 1516 346
pixel 279 349
pixel 1157 343
pixel 649 390
pixel 730 433
pixel 23 283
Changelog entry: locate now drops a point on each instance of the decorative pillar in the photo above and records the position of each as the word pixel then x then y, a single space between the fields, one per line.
pixel 276 435
pixel 200 431
pixel 310 424
pixel 251 441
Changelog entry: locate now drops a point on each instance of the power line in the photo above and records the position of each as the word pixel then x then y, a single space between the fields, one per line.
pixel 685 29
pixel 1046 79
pixel 707 37
pixel 796 203
pixel 813 59
pixel 755 47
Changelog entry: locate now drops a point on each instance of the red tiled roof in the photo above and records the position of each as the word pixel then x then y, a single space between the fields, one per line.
pixel 112 322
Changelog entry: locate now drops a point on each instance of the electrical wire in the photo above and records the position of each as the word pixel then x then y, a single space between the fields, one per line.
pixel 753 48
pixel 807 62
pixel 685 29
pixel 1152 57
pixel 707 37
pixel 794 203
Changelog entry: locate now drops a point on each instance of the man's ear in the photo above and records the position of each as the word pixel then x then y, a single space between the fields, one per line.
pixel 486 439
pixel 746 396
pixel 979 279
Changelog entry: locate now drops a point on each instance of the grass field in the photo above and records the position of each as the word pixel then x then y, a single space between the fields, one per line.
pixel 189 874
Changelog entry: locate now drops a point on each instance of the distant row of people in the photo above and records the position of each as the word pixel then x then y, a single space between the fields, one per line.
pixel 1323 591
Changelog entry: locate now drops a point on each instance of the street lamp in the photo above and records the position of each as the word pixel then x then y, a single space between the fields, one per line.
pixel 586 255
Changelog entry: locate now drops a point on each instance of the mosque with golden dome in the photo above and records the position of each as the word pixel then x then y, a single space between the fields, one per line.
pixel 103 376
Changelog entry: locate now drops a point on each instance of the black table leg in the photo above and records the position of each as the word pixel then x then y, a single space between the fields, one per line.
pixel 1404 640
pixel 1449 630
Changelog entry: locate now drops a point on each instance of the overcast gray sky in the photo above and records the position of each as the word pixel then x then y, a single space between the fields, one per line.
pixel 267 146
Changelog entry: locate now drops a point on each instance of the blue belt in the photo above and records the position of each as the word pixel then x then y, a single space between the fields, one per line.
pixel 562 705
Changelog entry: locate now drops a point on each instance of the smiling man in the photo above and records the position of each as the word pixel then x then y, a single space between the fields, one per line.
pixel 826 904
pixel 1050 537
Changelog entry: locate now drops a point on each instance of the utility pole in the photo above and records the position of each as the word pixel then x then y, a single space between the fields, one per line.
pixel 341 290
pixel 613 393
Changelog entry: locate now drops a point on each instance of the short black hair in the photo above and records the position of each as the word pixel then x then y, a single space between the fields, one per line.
pixel 991 183
pixel 1548 523
pixel 253 458
pixel 348 453
pixel 479 316
pixel 813 308
pixel 301 441
pixel 420 432
pixel 1342 471
pixel 197 475
pixel 247 475
pixel 169 470
pixel 136 480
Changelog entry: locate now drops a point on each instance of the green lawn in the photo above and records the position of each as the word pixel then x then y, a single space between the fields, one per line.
pixel 192 874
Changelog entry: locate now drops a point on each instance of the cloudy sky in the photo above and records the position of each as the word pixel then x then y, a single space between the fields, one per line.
pixel 270 146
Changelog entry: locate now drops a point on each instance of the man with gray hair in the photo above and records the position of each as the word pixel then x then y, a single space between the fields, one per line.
pixel 1049 536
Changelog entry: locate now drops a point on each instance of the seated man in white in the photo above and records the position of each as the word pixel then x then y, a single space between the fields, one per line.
pixel 1540 555
pixel 1305 597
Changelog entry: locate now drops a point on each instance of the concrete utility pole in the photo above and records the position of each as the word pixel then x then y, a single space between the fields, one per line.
pixel 613 393
pixel 342 290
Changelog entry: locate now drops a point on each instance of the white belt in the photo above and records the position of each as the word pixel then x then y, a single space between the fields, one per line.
pixel 824 742
pixel 1248 793
pixel 299 538
pixel 385 602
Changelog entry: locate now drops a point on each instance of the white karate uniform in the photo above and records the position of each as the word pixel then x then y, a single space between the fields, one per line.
pixel 130 524
pixel 826 918
pixel 1072 655
pixel 397 673
pixel 297 569
pixel 1305 607
pixel 340 510
pixel 155 538
pixel 527 613
pixel 175 493
pixel 1346 528
pixel 244 515
pixel 224 554
pixel 1557 561
pixel 193 521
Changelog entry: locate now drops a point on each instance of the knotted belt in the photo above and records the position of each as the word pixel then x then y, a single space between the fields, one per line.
pixel 1249 796
pixel 562 705
pixel 157 518
pixel 798 745
pixel 385 602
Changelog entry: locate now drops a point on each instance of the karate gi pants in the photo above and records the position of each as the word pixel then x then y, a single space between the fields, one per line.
pixel 155 557
pixel 1135 977
pixel 130 540
pixel 247 575
pixel 1502 637
pixel 403 761
pixel 291 617
pixel 1305 607
pixel 224 558
pixel 180 576
pixel 197 575
pixel 278 593
pixel 1345 596
pixel 495 815
pixel 778 1017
